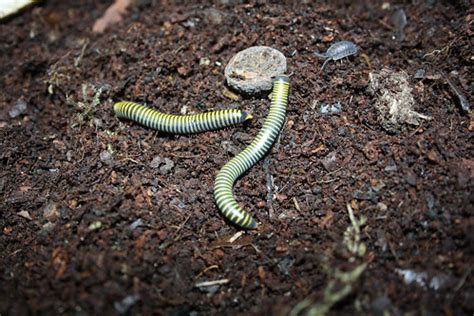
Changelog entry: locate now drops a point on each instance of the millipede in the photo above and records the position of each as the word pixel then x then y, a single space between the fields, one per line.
pixel 179 124
pixel 238 165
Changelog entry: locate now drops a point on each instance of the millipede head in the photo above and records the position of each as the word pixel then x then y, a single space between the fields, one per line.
pixel 283 78
pixel 117 106
pixel 246 116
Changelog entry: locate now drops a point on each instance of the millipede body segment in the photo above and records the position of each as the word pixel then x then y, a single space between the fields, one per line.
pixel 179 124
pixel 231 171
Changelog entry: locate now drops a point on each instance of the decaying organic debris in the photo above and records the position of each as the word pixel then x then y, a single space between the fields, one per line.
pixel 394 99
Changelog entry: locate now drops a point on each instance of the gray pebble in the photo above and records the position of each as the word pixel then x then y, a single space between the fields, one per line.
pixel 124 305
pixel 105 156
pixel 330 162
pixel 18 109
pixel 156 162
pixel 251 71
pixel 64 213
pixel 51 211
pixel 230 147
pixel 331 108
pixel 214 16
pixel 285 265
pixel 135 224
pixel 420 73
pixel 167 167
pixel 411 178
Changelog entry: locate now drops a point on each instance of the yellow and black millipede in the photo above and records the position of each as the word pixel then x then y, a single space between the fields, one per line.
pixel 179 124
pixel 232 170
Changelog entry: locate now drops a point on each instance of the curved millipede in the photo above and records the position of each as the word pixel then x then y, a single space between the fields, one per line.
pixel 249 156
pixel 179 124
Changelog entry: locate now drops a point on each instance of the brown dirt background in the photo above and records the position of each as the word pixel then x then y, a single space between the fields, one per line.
pixel 61 261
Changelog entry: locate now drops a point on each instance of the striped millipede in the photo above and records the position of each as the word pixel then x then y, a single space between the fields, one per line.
pixel 232 170
pixel 179 124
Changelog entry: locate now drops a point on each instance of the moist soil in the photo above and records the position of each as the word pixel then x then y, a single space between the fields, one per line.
pixel 101 215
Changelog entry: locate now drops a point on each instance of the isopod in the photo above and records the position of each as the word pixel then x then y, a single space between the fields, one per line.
pixel 338 51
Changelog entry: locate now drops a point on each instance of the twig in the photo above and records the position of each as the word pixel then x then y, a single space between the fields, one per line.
pixel 463 280
pixel 462 99
pixel 214 266
pixel 211 283
pixel 180 227
pixel 269 177
pixel 235 237
pixel 77 60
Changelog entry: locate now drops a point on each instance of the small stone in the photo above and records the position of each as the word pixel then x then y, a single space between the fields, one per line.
pixel 156 162
pixel 285 265
pixel 230 147
pixel 214 16
pixel 368 195
pixel 167 167
pixel 24 214
pixel 124 305
pixel 105 156
pixel 204 61
pixel 382 206
pixel 95 225
pixel 331 108
pixel 433 156
pixel 64 213
pixel 47 228
pixel 69 155
pixel 420 73
pixel 411 178
pixel 136 223
pixel 98 122
pixel 251 71
pixel 18 109
pixel 330 161
pixel 391 168
pixel 50 211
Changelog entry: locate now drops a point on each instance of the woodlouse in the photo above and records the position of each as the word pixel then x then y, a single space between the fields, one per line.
pixel 338 51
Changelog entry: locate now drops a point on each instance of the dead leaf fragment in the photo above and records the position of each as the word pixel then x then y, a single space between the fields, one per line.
pixel 394 99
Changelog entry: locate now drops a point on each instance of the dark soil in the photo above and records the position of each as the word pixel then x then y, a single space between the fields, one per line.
pixel 89 225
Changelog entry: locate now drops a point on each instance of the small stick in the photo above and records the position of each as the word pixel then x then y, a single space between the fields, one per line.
pixel 462 99
pixel 211 283
pixel 269 177
pixel 235 237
